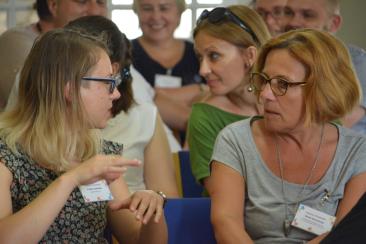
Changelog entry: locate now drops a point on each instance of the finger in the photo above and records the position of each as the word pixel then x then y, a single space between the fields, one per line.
pixel 150 210
pixel 113 172
pixel 110 177
pixel 116 169
pixel 143 206
pixel 158 212
pixel 135 202
pixel 118 160
pixel 116 205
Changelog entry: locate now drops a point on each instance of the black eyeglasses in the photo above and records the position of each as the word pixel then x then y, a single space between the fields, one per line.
pixel 219 14
pixel 278 85
pixel 112 82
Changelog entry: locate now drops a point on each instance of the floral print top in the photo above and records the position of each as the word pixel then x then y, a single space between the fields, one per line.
pixel 78 222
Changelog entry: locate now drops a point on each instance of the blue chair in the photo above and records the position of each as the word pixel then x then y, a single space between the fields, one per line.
pixel 188 221
pixel 190 187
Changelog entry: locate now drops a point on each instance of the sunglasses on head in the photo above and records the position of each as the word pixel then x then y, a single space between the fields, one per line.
pixel 219 14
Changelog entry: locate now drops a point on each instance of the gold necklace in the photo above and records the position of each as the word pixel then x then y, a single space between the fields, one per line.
pixel 287 222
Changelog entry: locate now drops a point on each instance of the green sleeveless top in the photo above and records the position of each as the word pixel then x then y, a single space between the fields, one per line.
pixel 205 123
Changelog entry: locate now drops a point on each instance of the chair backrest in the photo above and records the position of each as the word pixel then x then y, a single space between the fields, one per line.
pixel 188 221
pixel 178 176
pixel 190 187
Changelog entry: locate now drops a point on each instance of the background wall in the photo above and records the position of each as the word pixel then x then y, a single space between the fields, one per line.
pixel 17 12
pixel 353 29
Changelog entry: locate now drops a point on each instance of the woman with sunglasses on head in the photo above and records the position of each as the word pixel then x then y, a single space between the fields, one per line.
pixel 226 42
pixel 287 176
pixel 56 174
pixel 137 126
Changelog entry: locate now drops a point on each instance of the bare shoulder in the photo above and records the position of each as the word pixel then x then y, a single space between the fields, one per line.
pixel 5 194
pixel 5 175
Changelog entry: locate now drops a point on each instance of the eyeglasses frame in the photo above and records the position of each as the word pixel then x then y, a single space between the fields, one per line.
pixel 268 80
pixel 112 81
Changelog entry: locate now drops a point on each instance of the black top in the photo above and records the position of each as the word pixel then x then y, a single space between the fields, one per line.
pixel 351 229
pixel 187 68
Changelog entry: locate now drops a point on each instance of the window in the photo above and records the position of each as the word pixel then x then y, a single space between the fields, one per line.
pixel 16 12
pixel 121 13
pixel 19 12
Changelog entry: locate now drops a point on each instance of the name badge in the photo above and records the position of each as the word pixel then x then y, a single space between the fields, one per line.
pixel 312 220
pixel 167 81
pixel 95 192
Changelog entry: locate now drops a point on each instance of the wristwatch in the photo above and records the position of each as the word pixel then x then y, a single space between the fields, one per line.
pixel 163 196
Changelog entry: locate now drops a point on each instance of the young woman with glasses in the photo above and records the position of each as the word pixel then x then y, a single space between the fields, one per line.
pixel 226 42
pixel 56 174
pixel 137 126
pixel 290 175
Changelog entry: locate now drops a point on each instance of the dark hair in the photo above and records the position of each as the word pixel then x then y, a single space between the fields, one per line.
pixel 43 12
pixel 119 51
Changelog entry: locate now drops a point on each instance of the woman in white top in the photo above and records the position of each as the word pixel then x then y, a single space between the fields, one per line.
pixel 137 126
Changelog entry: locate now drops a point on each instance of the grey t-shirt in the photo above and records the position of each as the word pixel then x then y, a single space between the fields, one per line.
pixel 264 213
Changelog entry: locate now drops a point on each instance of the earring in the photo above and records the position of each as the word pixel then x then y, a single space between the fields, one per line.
pixel 250 88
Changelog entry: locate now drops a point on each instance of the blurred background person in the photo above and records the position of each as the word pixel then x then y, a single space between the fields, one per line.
pixel 226 41
pixel 166 62
pixel 272 13
pixel 16 43
pixel 325 15
pixel 137 126
pixel 162 59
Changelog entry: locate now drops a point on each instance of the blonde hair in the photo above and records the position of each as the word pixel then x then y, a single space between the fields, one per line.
pixel 232 33
pixel 332 89
pixel 181 5
pixel 51 129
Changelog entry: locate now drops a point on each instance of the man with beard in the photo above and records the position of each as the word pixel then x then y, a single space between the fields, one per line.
pixel 325 15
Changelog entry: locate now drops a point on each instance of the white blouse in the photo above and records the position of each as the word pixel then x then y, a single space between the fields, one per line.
pixel 134 130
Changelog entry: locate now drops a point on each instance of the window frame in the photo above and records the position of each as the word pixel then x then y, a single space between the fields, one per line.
pixel 12 7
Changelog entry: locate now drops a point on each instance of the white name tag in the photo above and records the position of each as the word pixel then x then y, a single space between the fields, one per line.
pixel 167 81
pixel 98 191
pixel 312 220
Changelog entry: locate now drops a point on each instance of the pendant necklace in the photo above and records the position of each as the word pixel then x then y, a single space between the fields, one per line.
pixel 287 221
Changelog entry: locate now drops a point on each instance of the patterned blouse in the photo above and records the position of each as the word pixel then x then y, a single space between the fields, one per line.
pixel 78 222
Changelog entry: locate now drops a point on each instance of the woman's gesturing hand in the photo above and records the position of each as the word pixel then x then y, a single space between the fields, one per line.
pixel 100 167
pixel 144 204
